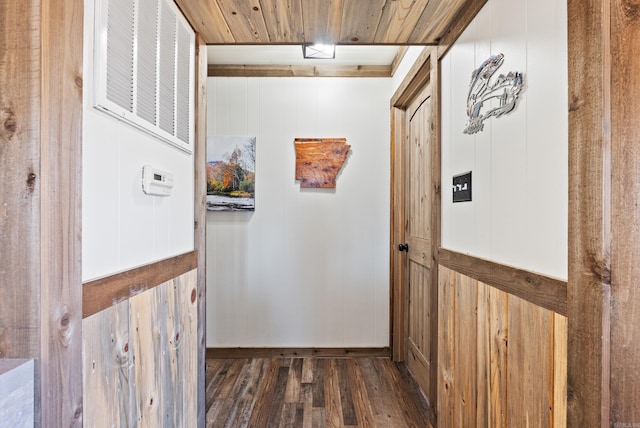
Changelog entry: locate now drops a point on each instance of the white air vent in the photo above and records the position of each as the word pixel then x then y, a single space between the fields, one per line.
pixel 144 67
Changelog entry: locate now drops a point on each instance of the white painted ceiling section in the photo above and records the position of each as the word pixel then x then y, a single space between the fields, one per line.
pixel 292 55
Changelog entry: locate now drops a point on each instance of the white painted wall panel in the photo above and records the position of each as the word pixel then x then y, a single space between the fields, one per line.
pixel 121 226
pixel 519 211
pixel 309 268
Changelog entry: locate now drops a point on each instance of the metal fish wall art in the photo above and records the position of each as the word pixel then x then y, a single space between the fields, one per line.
pixel 488 98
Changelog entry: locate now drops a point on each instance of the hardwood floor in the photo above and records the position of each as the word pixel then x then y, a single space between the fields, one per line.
pixel 312 392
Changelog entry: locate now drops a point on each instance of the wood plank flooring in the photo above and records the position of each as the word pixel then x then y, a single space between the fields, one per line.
pixel 312 392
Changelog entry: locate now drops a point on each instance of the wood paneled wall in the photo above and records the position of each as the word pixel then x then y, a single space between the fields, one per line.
pixel 502 359
pixel 40 160
pixel 140 359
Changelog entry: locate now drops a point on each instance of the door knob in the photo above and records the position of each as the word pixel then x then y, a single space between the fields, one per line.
pixel 403 247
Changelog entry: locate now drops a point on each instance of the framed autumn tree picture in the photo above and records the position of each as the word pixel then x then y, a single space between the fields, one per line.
pixel 231 173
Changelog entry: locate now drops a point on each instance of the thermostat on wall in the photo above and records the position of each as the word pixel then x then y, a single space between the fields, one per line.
pixel 156 182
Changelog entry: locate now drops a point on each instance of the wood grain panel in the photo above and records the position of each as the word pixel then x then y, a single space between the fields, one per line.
pixel 502 359
pixel 446 345
pixel 207 19
pixel 419 174
pixel 20 178
pixel 530 359
pixel 300 70
pixel 329 21
pixel 163 325
pixel 101 293
pixel 245 20
pixel 283 19
pixel 108 368
pixel 560 330
pixel 498 328
pixel 321 20
pixel 435 19
pixel 625 214
pixel 396 218
pixel 200 214
pixel 398 20
pixel 541 290
pixel 464 358
pixel 589 214
pixel 61 220
pixel 359 24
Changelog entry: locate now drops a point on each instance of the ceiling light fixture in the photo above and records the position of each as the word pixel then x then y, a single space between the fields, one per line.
pixel 319 51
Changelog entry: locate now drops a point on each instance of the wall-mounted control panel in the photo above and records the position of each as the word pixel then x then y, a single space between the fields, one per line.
pixel 462 187
pixel 156 182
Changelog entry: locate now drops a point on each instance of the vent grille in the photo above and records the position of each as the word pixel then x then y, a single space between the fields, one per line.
pixel 144 62
pixel 120 53
pixel 147 60
pixel 167 68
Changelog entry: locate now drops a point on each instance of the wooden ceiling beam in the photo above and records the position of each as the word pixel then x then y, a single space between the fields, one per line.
pixel 299 70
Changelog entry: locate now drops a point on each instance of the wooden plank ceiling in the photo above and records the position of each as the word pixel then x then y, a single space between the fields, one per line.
pixel 397 22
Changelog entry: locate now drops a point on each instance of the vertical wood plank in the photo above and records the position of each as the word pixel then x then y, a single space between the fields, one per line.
pixel 321 20
pixel 361 401
pixel 107 369
pixel 625 214
pixel 19 175
pixel 398 19
pixel 436 224
pixel 283 18
pixel 446 346
pixel 498 319
pixel 245 20
pixel 60 226
pixel 483 355
pixel 464 395
pixel 182 353
pixel 559 371
pixel 200 221
pixel 359 24
pixel 332 402
pixel 589 274
pixel 148 336
pixel 529 365
pixel 397 271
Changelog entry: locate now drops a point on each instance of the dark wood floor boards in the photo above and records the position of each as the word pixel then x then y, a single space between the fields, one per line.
pixel 312 393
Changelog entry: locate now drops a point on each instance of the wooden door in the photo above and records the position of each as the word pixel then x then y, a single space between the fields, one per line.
pixel 420 291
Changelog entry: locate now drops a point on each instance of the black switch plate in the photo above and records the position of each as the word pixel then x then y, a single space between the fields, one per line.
pixel 462 187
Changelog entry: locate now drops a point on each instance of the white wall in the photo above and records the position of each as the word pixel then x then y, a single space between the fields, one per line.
pixel 121 226
pixel 519 211
pixel 310 267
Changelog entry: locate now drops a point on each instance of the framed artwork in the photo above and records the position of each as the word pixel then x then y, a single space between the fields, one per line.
pixel 231 173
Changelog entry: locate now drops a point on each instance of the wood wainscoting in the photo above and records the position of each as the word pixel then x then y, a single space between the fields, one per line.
pixel 140 353
pixel 502 359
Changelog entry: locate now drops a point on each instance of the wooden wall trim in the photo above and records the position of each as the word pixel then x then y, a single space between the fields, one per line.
pixel 200 213
pixel 102 293
pixel 299 70
pixel 402 51
pixel 60 207
pixel 417 76
pixel 459 24
pixel 298 352
pixel 541 290
pixel 589 285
